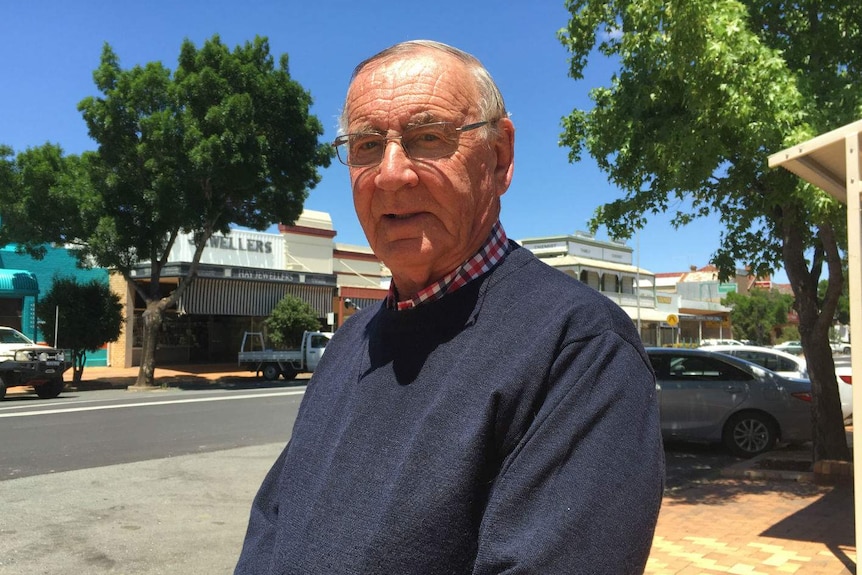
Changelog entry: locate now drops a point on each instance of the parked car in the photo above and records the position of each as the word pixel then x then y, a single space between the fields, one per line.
pixel 709 341
pixel 842 347
pixel 845 379
pixel 710 396
pixel 788 365
pixel 780 362
pixel 24 362
pixel 794 347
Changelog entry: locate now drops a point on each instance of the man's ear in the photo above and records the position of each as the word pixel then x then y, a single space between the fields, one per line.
pixel 504 146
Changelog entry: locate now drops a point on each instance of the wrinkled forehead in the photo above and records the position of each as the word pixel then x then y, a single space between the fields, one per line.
pixel 396 90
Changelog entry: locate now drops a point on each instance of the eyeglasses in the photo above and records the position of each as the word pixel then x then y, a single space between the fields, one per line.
pixel 422 142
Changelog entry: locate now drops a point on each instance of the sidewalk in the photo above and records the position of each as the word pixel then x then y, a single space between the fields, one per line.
pixel 755 527
pixel 182 376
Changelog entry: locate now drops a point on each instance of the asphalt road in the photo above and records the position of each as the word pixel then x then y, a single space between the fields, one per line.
pixel 109 427
pixel 135 483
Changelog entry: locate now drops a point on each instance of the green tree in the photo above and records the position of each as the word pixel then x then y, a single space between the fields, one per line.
pixel 85 317
pixel 45 196
pixel 789 333
pixel 288 320
pixel 756 314
pixel 226 139
pixel 705 90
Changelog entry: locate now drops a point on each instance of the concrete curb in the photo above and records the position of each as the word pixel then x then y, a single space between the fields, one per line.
pixel 769 466
pixel 794 464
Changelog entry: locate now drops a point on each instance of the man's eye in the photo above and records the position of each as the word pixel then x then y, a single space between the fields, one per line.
pixel 366 144
pixel 426 137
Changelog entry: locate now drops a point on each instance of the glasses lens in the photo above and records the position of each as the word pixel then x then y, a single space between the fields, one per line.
pixel 365 149
pixel 341 151
pixel 430 141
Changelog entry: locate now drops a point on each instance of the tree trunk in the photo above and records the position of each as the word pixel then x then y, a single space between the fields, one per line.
pixel 829 435
pixel 152 319
pixel 77 366
pixel 830 440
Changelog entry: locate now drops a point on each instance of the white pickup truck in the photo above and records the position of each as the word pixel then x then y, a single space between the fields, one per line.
pixel 286 363
pixel 24 362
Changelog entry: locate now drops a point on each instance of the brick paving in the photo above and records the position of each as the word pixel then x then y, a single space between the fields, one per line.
pixel 752 527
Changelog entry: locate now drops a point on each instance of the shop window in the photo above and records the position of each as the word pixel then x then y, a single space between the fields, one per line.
pixel 10 312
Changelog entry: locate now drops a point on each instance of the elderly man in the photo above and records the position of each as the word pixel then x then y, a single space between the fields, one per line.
pixel 492 415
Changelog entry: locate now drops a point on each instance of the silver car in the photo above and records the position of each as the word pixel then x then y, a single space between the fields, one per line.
pixel 708 396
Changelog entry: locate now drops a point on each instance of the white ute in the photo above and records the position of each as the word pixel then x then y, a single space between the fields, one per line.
pixel 286 363
pixel 24 362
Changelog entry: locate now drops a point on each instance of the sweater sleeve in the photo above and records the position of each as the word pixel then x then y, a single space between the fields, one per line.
pixel 581 491
pixel 258 548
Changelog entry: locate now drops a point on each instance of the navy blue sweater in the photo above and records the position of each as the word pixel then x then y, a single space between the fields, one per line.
pixel 510 427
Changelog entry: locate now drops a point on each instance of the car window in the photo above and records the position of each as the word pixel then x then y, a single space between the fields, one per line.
pixel 703 368
pixel 770 361
pixel 659 364
pixel 784 364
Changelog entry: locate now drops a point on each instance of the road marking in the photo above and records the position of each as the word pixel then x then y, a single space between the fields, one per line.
pixel 152 403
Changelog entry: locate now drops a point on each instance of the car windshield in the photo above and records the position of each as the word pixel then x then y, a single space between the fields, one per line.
pixel 8 335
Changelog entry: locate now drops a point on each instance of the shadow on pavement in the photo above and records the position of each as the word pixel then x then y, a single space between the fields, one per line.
pixel 834 508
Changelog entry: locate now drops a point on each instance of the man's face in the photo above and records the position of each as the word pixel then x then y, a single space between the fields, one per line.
pixel 423 218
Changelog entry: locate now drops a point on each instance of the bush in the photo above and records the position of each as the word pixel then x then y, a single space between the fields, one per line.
pixel 288 320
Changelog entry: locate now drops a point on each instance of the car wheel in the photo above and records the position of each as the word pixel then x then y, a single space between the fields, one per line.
pixel 846 351
pixel 289 374
pixel 51 389
pixel 2 389
pixel 750 433
pixel 271 372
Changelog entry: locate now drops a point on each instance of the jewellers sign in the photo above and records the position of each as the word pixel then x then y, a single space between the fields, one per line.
pixel 238 248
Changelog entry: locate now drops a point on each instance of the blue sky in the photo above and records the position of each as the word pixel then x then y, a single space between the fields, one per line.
pixel 51 48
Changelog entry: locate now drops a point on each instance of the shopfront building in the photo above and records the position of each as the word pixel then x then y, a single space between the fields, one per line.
pixel 240 279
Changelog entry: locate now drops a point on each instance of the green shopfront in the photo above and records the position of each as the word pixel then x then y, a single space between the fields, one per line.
pixel 24 280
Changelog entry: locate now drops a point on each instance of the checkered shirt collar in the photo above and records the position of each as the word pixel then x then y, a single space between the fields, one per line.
pixel 494 249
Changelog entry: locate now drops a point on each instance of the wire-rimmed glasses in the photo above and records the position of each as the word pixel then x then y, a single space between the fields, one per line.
pixel 421 142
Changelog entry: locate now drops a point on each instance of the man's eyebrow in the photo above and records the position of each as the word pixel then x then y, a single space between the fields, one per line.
pixel 365 128
pixel 417 120
pixel 422 119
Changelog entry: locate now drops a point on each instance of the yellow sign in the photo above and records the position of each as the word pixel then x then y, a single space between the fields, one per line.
pixel 672 320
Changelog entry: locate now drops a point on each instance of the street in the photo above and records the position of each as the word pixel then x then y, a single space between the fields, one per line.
pixel 141 483
pixel 98 428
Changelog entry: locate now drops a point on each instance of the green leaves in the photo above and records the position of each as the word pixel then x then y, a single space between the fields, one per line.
pixel 225 139
pixel 44 197
pixel 756 315
pixel 90 315
pixel 704 92
pixel 288 320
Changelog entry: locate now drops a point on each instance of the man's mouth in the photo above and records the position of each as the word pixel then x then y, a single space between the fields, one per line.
pixel 398 216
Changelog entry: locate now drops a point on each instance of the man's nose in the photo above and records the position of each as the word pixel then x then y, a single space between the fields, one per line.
pixel 396 169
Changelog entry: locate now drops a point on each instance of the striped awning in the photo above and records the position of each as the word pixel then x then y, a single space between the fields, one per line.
pixel 18 283
pixel 207 296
